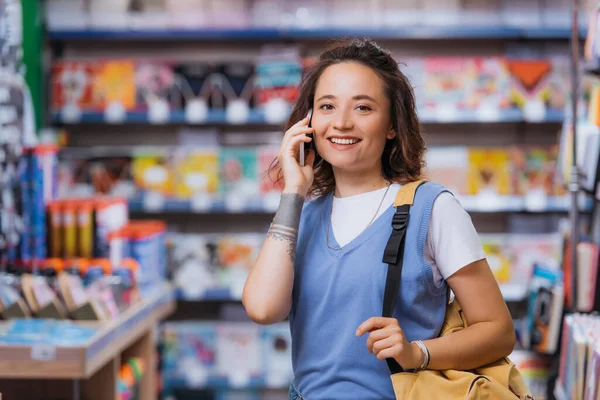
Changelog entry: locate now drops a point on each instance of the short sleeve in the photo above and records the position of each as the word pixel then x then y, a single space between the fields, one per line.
pixel 452 239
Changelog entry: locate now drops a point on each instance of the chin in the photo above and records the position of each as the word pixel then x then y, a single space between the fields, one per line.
pixel 343 163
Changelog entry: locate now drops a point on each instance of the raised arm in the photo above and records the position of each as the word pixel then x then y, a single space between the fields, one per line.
pixel 267 294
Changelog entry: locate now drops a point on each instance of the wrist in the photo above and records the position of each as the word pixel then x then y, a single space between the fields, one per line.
pixel 295 190
pixel 420 355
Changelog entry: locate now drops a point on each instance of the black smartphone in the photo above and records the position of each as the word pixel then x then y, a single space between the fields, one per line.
pixel 306 146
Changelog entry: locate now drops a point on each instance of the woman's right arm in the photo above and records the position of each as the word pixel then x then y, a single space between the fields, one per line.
pixel 267 294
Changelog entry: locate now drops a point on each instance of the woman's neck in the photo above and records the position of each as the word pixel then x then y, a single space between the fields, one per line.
pixel 350 184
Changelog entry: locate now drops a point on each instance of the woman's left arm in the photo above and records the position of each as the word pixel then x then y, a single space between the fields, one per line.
pixel 490 334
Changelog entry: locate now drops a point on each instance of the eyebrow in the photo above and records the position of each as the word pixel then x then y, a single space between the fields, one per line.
pixel 357 97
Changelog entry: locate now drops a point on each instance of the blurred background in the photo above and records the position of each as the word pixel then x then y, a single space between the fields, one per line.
pixel 135 136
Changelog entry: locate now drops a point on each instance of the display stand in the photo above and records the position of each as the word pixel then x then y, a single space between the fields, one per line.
pixel 89 371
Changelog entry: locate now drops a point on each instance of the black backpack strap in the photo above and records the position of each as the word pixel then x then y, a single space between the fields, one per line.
pixel 394 256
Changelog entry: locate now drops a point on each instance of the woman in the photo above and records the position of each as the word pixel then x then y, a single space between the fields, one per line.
pixel 321 262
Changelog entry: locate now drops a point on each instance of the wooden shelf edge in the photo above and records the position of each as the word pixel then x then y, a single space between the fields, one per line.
pixel 81 362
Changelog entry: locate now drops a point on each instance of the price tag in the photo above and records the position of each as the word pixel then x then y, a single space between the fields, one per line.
pixel 70 113
pixel 200 202
pixel 196 111
pixel 235 202
pixel 158 112
pixel 43 352
pixel 239 379
pixel 488 200
pixel 153 201
pixel 115 113
pixel 534 111
pixel 487 113
pixel 536 200
pixel 276 111
pixel 237 112
pixel 195 375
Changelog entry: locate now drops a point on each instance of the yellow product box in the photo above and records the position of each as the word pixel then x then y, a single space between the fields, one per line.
pixel 152 171
pixel 196 171
pixel 489 170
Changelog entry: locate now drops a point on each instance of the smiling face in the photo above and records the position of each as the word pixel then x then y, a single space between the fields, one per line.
pixel 351 118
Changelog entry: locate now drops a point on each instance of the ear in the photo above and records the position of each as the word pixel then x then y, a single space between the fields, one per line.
pixel 391 134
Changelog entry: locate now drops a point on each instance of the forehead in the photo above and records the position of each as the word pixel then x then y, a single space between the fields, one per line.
pixel 349 79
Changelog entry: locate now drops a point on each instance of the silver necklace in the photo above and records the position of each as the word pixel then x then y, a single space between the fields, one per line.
pixel 372 219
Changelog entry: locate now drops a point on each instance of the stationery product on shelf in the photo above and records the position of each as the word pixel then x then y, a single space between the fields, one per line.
pixel 129 378
pixel 450 167
pixel 196 172
pixel 489 171
pixel 199 354
pixel 196 175
pixel 579 357
pixel 588 290
pixel 530 86
pixel 546 299
pixel 212 266
pixel 238 175
pixel 150 170
pixel 114 86
pixel 512 256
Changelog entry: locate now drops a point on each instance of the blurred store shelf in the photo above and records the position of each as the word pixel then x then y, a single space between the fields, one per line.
pixel 417 32
pixel 257 117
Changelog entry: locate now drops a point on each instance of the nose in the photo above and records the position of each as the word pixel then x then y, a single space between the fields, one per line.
pixel 342 120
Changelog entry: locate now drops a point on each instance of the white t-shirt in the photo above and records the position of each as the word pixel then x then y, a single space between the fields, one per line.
pixel 452 241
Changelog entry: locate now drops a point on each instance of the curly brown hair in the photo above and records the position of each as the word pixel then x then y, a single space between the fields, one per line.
pixel 402 158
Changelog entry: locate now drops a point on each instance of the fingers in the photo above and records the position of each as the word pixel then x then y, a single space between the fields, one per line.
pixel 310 159
pixel 390 341
pixel 378 335
pixel 390 352
pixel 375 323
pixel 303 122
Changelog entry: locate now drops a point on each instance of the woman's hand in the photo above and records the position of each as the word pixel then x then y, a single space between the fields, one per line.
pixel 297 179
pixel 386 340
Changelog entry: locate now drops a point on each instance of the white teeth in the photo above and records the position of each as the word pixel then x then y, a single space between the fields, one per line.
pixel 343 141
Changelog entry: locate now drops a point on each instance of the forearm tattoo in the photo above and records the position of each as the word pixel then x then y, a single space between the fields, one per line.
pixel 286 222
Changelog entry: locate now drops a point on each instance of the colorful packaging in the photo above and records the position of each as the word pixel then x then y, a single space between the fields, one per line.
pixel 72 84
pixel 148 248
pixel 498 256
pixel 277 355
pixel 240 342
pixel 239 175
pixel 111 214
pixel 55 229
pixel 85 228
pixel 446 80
pixel 449 166
pixel 155 82
pixel 152 171
pixel 530 81
pixel 48 162
pixel 114 83
pixel 269 182
pixel 38 209
pixel 69 223
pixel 489 171
pixel 489 83
pixel 196 171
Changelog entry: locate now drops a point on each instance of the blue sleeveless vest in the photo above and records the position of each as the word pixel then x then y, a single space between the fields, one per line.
pixel 336 290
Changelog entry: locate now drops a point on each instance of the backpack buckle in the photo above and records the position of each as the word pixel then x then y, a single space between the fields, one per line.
pixel 400 218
